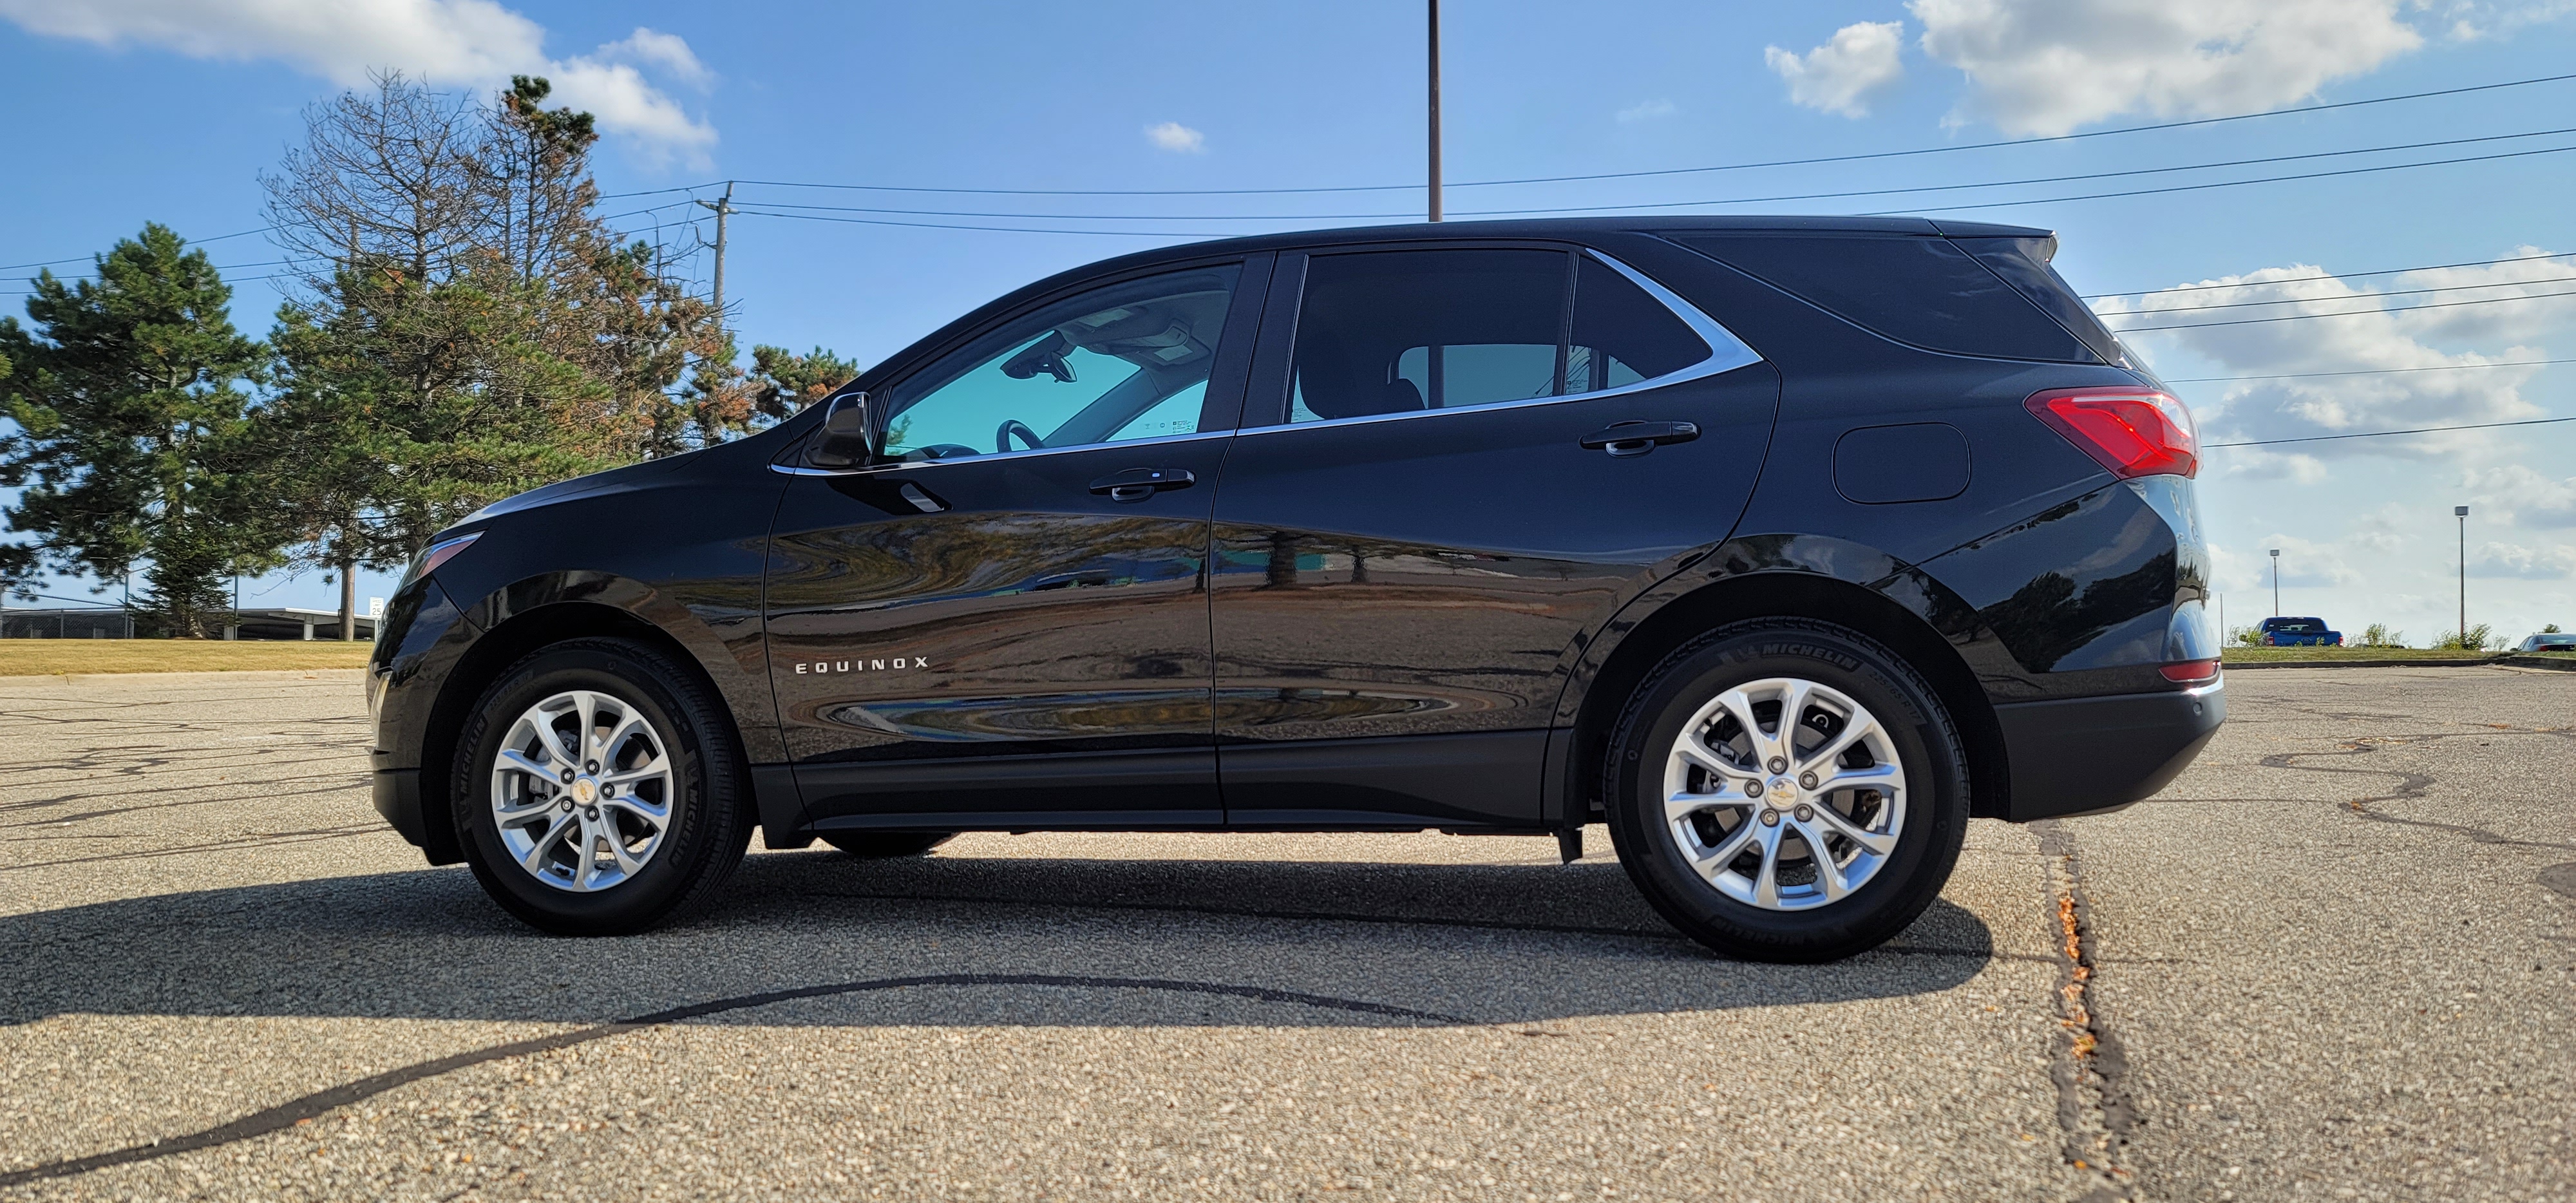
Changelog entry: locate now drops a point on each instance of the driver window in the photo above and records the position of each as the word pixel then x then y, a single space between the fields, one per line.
pixel 1130 361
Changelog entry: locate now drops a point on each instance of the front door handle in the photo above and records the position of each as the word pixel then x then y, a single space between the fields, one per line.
pixel 1624 439
pixel 1137 484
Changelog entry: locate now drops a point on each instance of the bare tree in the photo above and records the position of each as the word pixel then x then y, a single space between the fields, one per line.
pixel 385 176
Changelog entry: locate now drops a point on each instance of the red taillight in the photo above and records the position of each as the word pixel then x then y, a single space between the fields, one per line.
pixel 2191 670
pixel 2131 431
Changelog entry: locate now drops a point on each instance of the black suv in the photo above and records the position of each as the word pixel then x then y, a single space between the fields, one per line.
pixel 1784 546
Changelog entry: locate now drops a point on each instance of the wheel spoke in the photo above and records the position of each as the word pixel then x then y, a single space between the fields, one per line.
pixel 617 737
pixel 511 813
pixel 544 723
pixel 1853 732
pixel 586 705
pixel 514 758
pixel 1829 876
pixel 1793 706
pixel 1683 805
pixel 658 816
pixel 1766 880
pixel 1694 748
pixel 1740 705
pixel 535 858
pixel 1715 860
pixel 627 863
pixel 656 767
pixel 1875 842
pixel 1884 777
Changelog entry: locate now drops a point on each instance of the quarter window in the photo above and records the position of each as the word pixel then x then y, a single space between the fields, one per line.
pixel 1129 361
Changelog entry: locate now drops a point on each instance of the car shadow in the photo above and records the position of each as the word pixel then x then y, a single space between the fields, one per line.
pixel 818 938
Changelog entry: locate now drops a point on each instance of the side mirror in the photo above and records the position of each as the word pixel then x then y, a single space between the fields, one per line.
pixel 848 437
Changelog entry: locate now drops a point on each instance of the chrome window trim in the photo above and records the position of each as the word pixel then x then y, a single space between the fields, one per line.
pixel 801 470
pixel 1726 353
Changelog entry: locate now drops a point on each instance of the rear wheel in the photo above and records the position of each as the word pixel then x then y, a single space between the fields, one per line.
pixel 887 845
pixel 1785 790
pixel 597 790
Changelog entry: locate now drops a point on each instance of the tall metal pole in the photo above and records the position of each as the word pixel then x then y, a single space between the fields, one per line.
pixel 1435 111
pixel 723 208
pixel 2461 512
pixel 2276 582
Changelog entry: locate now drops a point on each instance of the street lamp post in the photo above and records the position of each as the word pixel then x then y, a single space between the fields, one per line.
pixel 2276 582
pixel 2461 512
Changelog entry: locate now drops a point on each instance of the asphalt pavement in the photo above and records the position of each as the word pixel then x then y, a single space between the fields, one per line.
pixel 2337 959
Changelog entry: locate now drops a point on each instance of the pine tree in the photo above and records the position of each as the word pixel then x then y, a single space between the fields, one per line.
pixel 128 398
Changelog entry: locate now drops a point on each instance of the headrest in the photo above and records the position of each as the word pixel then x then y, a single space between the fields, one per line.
pixel 1395 397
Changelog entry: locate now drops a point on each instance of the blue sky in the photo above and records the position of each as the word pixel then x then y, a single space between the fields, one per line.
pixel 132 110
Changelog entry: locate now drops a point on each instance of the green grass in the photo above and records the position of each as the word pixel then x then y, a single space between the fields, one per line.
pixel 2259 655
pixel 54 657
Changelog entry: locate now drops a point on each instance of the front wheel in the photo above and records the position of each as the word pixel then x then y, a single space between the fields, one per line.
pixel 1787 790
pixel 597 790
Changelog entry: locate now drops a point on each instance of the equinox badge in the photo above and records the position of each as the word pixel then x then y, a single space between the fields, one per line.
pixel 861 666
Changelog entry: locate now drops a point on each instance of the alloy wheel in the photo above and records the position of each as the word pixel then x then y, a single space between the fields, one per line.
pixel 582 791
pixel 1784 794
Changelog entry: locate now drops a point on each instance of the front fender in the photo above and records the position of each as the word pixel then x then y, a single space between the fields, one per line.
pixel 737 667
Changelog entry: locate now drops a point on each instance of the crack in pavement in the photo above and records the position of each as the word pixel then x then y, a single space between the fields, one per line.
pixel 2095 1110
pixel 288 1114
pixel 2411 785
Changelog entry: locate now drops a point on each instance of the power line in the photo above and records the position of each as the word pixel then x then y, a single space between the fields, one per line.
pixel 1629 175
pixel 2313 175
pixel 1739 200
pixel 2358 296
pixel 2375 434
pixel 2300 317
pixel 86 258
pixel 1994 204
pixel 2385 271
pixel 941 225
pixel 2447 367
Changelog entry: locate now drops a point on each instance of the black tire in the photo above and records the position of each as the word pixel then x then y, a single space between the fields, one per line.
pixel 1921 731
pixel 887 845
pixel 709 823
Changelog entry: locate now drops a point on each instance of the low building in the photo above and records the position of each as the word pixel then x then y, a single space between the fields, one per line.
pixel 277 622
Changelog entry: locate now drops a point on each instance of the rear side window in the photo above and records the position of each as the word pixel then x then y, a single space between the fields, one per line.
pixel 1399 331
pixel 1920 290
pixel 1396 331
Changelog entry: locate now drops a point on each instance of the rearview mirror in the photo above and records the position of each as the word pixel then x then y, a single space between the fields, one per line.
pixel 848 437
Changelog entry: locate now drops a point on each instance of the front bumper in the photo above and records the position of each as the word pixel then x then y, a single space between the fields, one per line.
pixel 2085 755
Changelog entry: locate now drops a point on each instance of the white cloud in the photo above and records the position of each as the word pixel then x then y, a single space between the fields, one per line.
pixel 2544 563
pixel 2041 67
pixel 1844 74
pixel 1646 110
pixel 668 51
pixel 1177 138
pixel 475 43
pixel 2519 496
pixel 2211 320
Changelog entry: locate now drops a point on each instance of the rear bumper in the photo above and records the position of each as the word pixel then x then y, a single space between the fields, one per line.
pixel 2083 755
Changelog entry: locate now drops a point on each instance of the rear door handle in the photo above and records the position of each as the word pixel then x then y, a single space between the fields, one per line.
pixel 1624 439
pixel 1137 484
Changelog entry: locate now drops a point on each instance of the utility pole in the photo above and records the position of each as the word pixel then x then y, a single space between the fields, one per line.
pixel 2461 512
pixel 2276 582
pixel 723 208
pixel 1435 116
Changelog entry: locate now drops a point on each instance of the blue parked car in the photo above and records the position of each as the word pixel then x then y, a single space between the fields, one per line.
pixel 2299 632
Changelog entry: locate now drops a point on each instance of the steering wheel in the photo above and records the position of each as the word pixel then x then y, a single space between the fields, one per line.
pixel 1012 426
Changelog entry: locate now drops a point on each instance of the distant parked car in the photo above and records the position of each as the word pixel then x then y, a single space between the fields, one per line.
pixel 2548 643
pixel 2299 632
